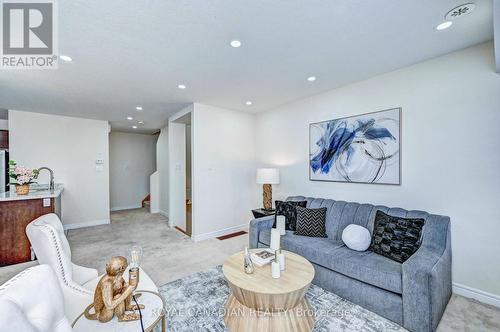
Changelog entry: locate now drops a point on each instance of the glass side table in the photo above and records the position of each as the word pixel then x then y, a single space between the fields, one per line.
pixel 152 315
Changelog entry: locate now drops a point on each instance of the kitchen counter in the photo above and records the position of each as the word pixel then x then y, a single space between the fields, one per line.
pixel 36 192
pixel 16 212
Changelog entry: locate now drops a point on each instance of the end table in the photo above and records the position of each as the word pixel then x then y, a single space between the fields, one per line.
pixel 259 213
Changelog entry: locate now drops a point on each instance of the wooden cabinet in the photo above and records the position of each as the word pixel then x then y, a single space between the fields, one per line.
pixel 15 215
pixel 4 139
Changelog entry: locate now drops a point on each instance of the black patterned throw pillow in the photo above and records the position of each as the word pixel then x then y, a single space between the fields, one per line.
pixel 311 222
pixel 288 209
pixel 396 238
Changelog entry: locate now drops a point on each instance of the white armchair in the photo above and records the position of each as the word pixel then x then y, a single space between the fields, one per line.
pixel 32 301
pixel 78 283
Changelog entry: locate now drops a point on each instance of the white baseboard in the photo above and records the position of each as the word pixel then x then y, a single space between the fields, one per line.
pixel 130 207
pixel 476 294
pixel 206 236
pixel 87 224
pixel 160 212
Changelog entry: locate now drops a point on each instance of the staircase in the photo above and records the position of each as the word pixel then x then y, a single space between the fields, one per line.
pixel 146 202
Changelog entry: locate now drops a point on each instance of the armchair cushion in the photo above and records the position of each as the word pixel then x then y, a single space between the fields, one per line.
pixel 82 274
pixel 32 301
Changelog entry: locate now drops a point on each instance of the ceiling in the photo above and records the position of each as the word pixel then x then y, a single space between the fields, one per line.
pixel 128 53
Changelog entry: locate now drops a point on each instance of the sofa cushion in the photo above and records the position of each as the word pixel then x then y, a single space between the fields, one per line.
pixel 365 266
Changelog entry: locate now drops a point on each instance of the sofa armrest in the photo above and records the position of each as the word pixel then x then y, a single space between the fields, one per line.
pixel 257 225
pixel 426 288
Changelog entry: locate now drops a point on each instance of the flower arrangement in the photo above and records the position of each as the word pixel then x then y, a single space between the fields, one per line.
pixel 22 177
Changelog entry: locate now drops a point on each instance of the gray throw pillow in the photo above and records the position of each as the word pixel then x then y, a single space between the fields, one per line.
pixel 311 222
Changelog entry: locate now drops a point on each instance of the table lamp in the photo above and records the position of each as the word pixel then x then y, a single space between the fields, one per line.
pixel 135 260
pixel 267 177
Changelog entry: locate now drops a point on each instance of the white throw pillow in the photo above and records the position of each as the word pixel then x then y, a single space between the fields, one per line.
pixel 356 237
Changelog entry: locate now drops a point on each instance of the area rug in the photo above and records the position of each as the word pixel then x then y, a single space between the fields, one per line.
pixel 196 303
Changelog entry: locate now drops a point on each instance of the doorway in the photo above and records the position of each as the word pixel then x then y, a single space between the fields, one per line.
pixel 132 160
pixel 189 200
pixel 180 173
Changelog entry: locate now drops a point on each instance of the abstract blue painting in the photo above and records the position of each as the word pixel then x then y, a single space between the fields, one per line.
pixel 362 148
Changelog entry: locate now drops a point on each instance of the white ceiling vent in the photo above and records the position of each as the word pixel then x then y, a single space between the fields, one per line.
pixel 460 11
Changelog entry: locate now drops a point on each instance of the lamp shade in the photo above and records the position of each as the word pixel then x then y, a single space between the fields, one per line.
pixel 268 176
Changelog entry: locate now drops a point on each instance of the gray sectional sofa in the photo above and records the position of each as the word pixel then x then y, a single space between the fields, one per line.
pixel 413 294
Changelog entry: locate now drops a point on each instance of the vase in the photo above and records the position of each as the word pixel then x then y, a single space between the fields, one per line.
pixel 22 189
pixel 248 264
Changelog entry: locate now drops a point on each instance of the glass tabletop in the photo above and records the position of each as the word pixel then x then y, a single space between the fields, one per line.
pixel 152 314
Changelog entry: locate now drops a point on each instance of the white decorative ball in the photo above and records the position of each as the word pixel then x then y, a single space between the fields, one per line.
pixel 356 237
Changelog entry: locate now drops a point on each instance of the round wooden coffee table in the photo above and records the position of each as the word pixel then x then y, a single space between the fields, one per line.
pixel 260 303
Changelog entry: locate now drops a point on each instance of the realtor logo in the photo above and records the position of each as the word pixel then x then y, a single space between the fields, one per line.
pixel 28 35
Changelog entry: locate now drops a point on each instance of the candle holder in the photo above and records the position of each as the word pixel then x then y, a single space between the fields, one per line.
pixel 248 264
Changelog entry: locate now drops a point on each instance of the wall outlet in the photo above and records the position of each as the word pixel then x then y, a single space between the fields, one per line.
pixel 46 202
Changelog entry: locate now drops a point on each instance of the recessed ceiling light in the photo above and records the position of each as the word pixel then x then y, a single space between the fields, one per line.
pixel 139 108
pixel 134 127
pixel 443 26
pixel 181 86
pixel 140 122
pixel 311 78
pixel 235 43
pixel 130 118
pixel 65 58
pixel 248 103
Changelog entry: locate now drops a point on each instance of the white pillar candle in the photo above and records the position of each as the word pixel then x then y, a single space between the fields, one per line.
pixel 275 270
pixel 275 239
pixel 281 261
pixel 280 224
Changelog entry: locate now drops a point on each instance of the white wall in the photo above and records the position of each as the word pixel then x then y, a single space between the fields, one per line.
pixel 162 168
pixel 450 150
pixel 132 160
pixel 4 124
pixel 223 178
pixel 70 147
